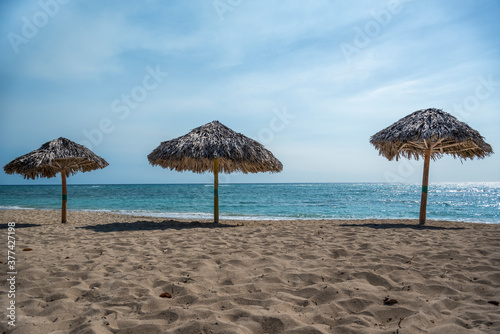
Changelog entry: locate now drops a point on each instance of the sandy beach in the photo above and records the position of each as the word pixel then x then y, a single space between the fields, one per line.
pixel 106 273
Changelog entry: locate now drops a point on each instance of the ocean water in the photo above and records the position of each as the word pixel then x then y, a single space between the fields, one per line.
pixel 470 202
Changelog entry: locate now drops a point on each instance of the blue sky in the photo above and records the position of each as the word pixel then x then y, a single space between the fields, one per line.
pixel 311 80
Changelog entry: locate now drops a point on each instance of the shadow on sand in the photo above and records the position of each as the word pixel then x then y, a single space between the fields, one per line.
pixel 409 226
pixel 18 225
pixel 143 225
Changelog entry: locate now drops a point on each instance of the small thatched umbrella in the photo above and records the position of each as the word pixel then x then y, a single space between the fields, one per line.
pixel 429 133
pixel 214 147
pixel 57 156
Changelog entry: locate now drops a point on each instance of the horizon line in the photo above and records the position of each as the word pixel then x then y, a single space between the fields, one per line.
pixel 230 183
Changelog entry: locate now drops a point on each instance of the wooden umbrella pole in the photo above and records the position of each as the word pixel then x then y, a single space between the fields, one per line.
pixel 425 183
pixel 64 196
pixel 216 190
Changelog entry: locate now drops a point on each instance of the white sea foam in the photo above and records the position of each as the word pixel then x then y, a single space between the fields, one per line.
pixel 14 207
pixel 191 215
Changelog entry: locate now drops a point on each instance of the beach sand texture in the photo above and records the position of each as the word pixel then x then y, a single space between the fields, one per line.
pixel 106 273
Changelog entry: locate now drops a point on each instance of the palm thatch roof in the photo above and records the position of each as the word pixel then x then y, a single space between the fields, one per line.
pixel 53 157
pixel 430 129
pixel 197 150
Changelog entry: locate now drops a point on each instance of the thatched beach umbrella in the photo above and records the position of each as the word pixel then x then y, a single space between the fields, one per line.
pixel 429 133
pixel 214 147
pixel 57 156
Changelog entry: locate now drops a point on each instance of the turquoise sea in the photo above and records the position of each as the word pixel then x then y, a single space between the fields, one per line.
pixel 470 202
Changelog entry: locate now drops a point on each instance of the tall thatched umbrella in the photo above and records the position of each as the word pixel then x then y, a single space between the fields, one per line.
pixel 214 147
pixel 57 156
pixel 429 133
